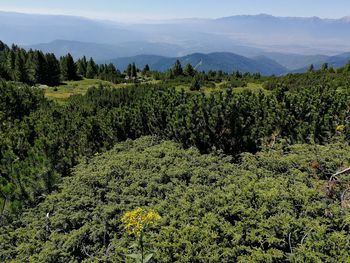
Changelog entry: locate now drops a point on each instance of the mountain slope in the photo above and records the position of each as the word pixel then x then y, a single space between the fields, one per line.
pixel 337 61
pixel 295 61
pixel 227 62
pixel 103 52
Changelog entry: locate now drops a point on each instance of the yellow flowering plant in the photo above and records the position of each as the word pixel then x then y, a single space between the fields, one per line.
pixel 136 222
pixel 340 128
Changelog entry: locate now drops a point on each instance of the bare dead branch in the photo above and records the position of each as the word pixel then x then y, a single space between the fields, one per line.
pixel 303 239
pixel 290 243
pixel 347 170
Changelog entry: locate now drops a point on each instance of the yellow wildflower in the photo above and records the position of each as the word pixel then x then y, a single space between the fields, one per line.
pixel 340 128
pixel 137 220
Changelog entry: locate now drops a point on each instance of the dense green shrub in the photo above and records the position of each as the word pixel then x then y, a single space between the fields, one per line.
pixel 269 208
pixel 56 138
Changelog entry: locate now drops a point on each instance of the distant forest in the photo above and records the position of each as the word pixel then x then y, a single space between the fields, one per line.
pixel 35 67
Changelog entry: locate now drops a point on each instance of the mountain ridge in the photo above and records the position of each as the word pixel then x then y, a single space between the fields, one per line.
pixel 312 35
pixel 225 61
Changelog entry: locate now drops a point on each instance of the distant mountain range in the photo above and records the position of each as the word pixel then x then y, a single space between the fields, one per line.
pixel 267 63
pixel 227 62
pixel 104 52
pixel 249 43
pixel 243 35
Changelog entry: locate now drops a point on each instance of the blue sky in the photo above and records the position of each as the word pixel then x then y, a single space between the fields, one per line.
pixel 130 10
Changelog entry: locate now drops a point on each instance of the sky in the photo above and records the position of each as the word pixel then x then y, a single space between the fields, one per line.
pixel 140 10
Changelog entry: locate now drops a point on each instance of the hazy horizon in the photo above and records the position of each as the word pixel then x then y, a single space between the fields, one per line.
pixel 299 32
pixel 141 11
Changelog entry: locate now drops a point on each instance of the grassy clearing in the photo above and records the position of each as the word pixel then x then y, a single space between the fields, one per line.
pixel 69 88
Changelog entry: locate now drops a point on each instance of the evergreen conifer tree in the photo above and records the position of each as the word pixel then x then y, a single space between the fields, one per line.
pixel 195 85
pixel 68 68
pixel 189 70
pixel 91 69
pixel 53 72
pixel 81 66
pixel 133 71
pixel 20 71
pixel 177 69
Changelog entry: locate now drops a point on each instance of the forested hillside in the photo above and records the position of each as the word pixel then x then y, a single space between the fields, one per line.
pixel 224 61
pixel 239 167
pixel 35 67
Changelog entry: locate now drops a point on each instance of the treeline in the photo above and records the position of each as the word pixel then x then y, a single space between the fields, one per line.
pixel 35 67
pixel 339 78
pixel 180 74
pixel 41 141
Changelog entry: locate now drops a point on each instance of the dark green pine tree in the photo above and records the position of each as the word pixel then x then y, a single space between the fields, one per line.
pixel 68 68
pixel 53 71
pixel 3 46
pixel 111 69
pixel 91 69
pixel 102 71
pixel 81 66
pixel 3 73
pixel 3 51
pixel 195 84
pixel 10 63
pixel 133 71
pixel 37 67
pixel 20 71
pixel 129 71
pixel 324 67
pixel 146 69
pixel 177 69
pixel 238 74
pixel 189 70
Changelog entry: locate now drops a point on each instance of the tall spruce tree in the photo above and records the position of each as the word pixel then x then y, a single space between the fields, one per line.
pixel 10 63
pixel 189 70
pixel 81 66
pixel 20 71
pixel 3 46
pixel 195 84
pixel 129 71
pixel 53 73
pixel 177 69
pixel 146 69
pixel 38 67
pixel 91 69
pixel 68 68
pixel 133 71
